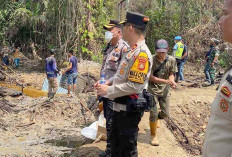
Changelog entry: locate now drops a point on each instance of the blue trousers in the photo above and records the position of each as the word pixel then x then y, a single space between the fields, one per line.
pixel 181 67
pixel 16 62
pixel 206 71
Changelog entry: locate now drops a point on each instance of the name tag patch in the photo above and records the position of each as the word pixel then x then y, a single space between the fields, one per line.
pixel 137 76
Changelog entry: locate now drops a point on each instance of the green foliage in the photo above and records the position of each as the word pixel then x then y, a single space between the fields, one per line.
pixel 97 58
pixel 77 24
pixel 225 59
pixel 169 18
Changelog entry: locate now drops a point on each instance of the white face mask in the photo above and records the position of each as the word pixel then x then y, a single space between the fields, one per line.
pixel 108 36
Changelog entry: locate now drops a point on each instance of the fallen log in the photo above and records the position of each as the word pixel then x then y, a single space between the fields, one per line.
pixel 85 106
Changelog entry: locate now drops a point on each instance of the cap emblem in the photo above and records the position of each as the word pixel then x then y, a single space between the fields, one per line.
pixel 146 19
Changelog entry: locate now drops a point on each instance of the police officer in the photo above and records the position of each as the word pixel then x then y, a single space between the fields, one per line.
pixel 178 50
pixel 218 140
pixel 51 71
pixel 161 79
pixel 113 53
pixel 131 79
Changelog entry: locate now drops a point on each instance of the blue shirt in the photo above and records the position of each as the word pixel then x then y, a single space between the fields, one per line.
pixel 185 51
pixel 51 68
pixel 175 47
pixel 73 60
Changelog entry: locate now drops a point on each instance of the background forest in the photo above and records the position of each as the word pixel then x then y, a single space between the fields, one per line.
pixel 77 24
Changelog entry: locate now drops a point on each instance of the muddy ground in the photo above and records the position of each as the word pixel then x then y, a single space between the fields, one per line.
pixel 36 127
pixel 189 110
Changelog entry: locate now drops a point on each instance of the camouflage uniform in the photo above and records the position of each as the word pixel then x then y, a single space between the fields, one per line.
pixel 212 70
pixel 161 91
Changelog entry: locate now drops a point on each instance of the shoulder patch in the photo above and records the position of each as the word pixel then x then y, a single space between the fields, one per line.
pixel 139 70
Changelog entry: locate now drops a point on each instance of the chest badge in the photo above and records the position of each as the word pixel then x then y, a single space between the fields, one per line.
pixel 124 64
pixel 225 91
pixel 117 50
pixel 224 105
pixel 130 54
pixel 121 71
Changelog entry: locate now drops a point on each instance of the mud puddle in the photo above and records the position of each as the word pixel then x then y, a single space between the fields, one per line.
pixel 69 142
pixel 65 143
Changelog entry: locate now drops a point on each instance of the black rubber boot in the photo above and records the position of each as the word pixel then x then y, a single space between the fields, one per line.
pixel 52 95
pixel 104 154
pixel 49 95
pixel 212 82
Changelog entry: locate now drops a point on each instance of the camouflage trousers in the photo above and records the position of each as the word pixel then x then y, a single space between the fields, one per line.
pixel 212 73
pixel 52 85
pixel 164 107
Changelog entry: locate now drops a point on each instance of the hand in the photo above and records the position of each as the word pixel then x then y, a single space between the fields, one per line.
pixel 102 89
pixel 169 82
pixel 107 82
pixel 63 72
pixel 96 84
pixel 173 85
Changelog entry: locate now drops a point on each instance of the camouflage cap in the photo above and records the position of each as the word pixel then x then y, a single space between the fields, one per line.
pixel 216 41
pixel 161 46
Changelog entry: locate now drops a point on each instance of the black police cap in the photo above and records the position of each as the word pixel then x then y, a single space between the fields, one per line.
pixel 112 24
pixel 136 19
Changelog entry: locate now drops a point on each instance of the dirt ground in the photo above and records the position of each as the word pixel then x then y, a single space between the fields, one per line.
pixel 35 127
pixel 189 110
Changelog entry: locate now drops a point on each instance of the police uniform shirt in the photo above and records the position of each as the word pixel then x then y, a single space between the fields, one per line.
pixel 164 73
pixel 218 141
pixel 112 59
pixel 132 75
